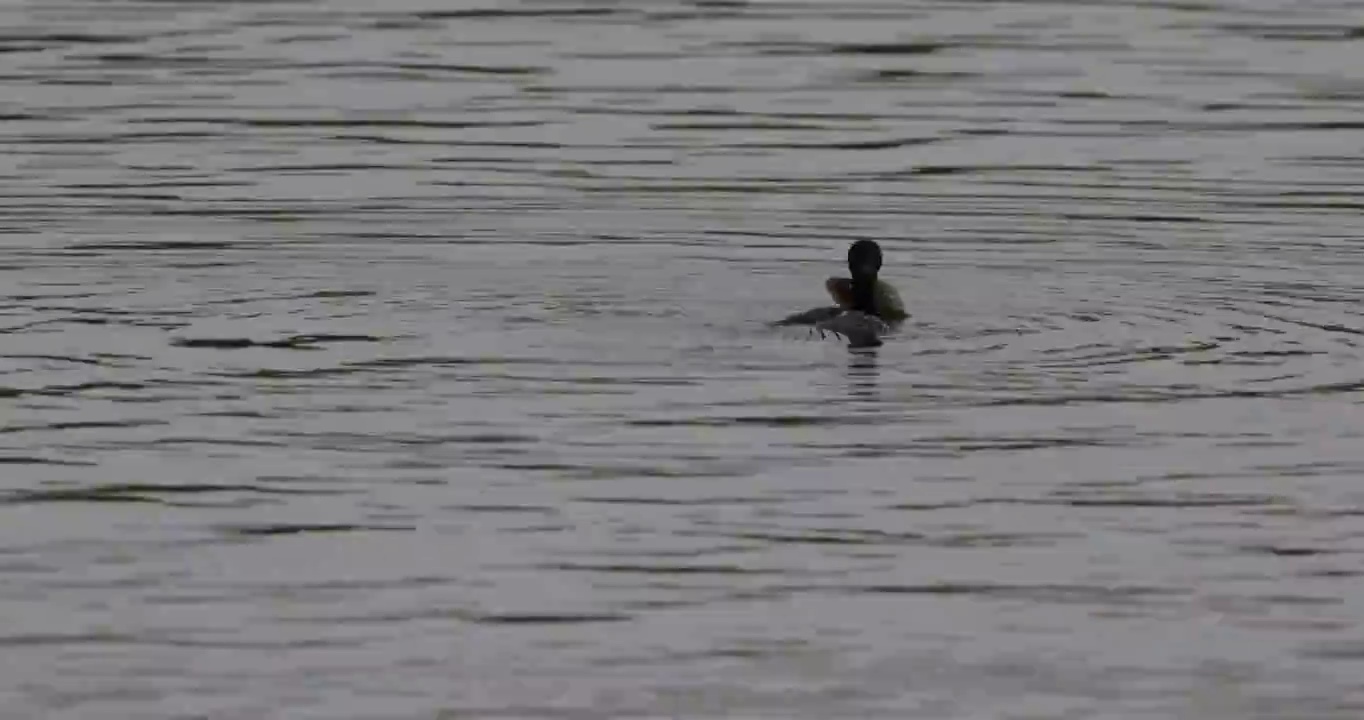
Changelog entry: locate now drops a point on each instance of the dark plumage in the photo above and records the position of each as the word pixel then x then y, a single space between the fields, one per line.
pixel 865 304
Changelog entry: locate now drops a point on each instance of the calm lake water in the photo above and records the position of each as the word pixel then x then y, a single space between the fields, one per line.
pixel 410 360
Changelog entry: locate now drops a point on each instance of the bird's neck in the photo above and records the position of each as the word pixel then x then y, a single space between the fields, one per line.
pixel 864 293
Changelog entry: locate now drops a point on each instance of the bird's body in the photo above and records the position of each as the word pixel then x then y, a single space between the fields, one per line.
pixel 885 300
pixel 866 306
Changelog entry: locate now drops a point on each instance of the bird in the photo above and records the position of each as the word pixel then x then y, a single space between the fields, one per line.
pixel 866 307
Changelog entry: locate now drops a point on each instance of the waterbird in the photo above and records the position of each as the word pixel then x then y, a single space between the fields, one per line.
pixel 866 307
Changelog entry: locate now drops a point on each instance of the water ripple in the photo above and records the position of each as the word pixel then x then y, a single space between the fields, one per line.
pixel 342 338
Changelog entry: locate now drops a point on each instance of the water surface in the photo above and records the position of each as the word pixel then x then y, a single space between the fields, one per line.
pixel 410 360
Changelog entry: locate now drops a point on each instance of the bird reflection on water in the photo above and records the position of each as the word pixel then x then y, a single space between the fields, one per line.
pixel 864 373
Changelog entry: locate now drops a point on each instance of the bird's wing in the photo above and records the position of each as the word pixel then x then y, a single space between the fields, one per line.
pixel 812 316
pixel 858 328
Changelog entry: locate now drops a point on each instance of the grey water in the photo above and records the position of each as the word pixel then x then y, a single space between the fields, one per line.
pixel 411 359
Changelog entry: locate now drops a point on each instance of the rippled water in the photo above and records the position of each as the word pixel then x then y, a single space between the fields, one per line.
pixel 410 360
